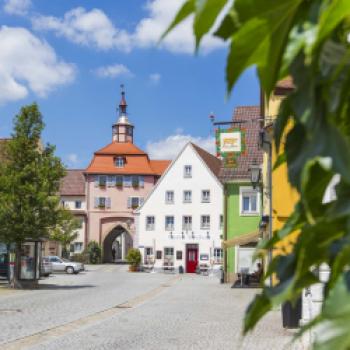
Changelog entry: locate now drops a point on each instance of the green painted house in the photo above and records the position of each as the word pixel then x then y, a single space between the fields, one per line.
pixel 243 203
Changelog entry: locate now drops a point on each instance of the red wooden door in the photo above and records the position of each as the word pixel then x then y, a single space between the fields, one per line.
pixel 192 260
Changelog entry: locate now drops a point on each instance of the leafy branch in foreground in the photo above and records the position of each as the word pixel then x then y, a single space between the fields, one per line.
pixel 309 41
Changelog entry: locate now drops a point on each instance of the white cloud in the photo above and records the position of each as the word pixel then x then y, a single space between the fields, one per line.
pixel 89 28
pixel 180 40
pixel 154 78
pixel 72 159
pixel 113 71
pixel 29 64
pixel 17 7
pixel 95 29
pixel 170 147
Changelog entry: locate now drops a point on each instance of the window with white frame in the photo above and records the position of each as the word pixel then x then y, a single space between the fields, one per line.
pixel 169 223
pixel 205 196
pixel 78 246
pixel 102 180
pixel 205 221
pixel 148 256
pixel 135 202
pixel 221 221
pixel 187 223
pixel 119 162
pixel 188 171
pixel 169 197
pixel 187 196
pixel 218 255
pixel 77 204
pixel 168 256
pixel 150 223
pixel 249 201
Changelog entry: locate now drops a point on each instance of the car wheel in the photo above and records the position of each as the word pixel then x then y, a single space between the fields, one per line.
pixel 70 270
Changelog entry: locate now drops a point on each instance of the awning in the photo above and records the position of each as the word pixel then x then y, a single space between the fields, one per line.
pixel 242 239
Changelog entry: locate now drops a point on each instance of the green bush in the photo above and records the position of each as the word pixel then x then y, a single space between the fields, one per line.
pixel 81 257
pixel 94 252
pixel 133 257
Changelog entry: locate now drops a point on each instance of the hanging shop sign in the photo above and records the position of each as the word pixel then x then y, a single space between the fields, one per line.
pixel 230 143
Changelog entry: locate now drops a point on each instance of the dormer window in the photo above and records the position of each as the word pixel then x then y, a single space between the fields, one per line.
pixel 120 162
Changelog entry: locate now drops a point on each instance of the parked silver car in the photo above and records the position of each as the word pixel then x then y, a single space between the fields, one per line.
pixel 64 265
pixel 45 267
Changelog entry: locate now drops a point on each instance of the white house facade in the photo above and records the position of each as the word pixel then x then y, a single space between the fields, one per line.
pixel 180 222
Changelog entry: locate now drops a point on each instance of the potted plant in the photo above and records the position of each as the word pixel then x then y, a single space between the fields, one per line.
pixel 133 258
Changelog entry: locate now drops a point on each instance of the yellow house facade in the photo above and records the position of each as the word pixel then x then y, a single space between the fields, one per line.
pixel 284 197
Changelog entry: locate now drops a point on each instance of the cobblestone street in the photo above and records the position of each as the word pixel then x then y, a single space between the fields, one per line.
pixel 108 308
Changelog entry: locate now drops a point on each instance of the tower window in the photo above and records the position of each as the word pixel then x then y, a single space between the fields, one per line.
pixel 120 162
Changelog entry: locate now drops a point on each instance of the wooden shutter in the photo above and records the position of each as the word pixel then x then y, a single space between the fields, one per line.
pixel 129 202
pixel 97 202
pixel 108 202
pixel 141 181
pixel 96 180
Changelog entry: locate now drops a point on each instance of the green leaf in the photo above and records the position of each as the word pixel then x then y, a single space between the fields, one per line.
pixel 284 115
pixel 205 16
pixel 281 159
pixel 337 11
pixel 256 310
pixel 186 10
pixel 228 26
pixel 260 40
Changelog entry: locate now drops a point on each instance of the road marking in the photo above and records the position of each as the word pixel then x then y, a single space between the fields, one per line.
pixel 51 333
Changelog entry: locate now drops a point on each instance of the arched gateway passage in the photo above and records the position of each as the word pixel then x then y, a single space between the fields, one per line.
pixel 116 245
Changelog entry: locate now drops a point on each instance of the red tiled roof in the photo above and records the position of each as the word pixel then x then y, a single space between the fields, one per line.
pixel 121 148
pixel 73 184
pixel 159 166
pixel 213 163
pixel 249 115
pixel 136 161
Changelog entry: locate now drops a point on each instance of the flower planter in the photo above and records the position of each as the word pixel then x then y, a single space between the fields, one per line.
pixel 132 268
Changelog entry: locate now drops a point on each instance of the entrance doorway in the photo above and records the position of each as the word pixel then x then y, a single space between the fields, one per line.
pixel 191 258
pixel 116 245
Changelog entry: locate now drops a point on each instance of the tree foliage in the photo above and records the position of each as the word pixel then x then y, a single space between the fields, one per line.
pixel 94 252
pixel 309 41
pixel 30 175
pixel 66 231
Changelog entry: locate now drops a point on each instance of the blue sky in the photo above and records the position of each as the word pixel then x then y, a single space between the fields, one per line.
pixel 71 57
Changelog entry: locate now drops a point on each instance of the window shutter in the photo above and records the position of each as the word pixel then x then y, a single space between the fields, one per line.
pixel 141 200
pixel 142 181
pixel 96 180
pixel 97 202
pixel 129 202
pixel 108 202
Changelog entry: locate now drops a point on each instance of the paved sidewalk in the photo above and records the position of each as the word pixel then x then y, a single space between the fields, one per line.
pixel 195 312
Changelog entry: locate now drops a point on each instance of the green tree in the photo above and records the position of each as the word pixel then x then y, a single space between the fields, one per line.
pixel 309 41
pixel 66 231
pixel 94 252
pixel 29 183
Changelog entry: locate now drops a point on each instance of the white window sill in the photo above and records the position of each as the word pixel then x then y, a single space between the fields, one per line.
pixel 249 214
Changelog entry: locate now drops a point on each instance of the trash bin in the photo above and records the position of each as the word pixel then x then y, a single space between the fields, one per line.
pixel 181 269
pixel 291 314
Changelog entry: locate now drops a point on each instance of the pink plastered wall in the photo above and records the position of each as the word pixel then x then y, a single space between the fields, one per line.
pixel 101 221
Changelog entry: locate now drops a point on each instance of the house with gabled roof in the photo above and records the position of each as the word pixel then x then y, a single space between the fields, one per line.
pixel 180 222
pixel 242 202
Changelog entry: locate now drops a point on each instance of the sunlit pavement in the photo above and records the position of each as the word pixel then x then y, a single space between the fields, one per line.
pixel 107 307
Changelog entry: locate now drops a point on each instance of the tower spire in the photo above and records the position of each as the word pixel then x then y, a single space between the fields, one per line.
pixel 123 130
pixel 122 105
